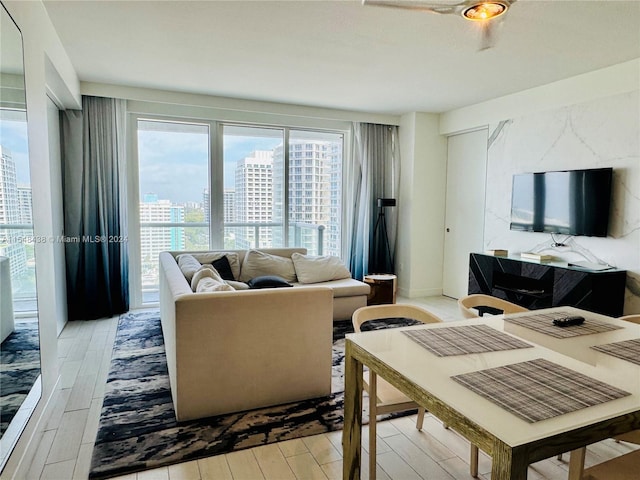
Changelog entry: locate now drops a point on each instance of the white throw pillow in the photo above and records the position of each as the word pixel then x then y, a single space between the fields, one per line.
pixel 258 264
pixel 188 265
pixel 205 271
pixel 209 284
pixel 312 269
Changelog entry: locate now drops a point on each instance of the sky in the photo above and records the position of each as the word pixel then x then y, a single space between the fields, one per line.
pixel 175 165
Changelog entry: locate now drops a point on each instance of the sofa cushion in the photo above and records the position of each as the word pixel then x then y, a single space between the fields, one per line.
pixel 189 265
pixel 210 257
pixel 205 271
pixel 268 281
pixel 258 264
pixel 237 285
pixel 346 287
pixel 209 284
pixel 313 269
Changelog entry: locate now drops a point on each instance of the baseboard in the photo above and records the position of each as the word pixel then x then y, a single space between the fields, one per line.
pixel 418 293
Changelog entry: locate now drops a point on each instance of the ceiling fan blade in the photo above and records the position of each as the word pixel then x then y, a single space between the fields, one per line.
pixel 416 5
pixel 487 39
pixel 489 33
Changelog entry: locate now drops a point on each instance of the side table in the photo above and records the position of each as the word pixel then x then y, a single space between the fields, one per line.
pixel 383 288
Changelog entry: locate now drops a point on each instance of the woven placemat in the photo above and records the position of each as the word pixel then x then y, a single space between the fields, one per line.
pixel 628 350
pixel 463 340
pixel 538 389
pixel 543 322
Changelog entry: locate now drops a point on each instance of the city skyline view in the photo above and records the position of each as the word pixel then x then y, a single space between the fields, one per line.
pixel 16 217
pixel 174 165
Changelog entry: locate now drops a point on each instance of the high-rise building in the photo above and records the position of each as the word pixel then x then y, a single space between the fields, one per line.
pixel 229 204
pixel 9 206
pixel 254 198
pixel 155 239
pixel 333 233
pixel 25 205
pixel 10 245
pixel 206 205
pixel 314 192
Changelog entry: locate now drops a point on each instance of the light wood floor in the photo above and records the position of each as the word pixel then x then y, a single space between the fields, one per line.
pixel 404 453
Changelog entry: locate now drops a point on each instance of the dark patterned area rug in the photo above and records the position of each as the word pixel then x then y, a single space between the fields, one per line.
pixel 19 369
pixel 138 429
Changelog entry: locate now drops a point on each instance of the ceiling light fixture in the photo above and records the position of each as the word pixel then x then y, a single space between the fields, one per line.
pixel 484 10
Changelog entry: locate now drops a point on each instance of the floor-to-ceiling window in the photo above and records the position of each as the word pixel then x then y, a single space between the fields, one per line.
pixel 173 172
pixel 204 185
pixel 315 190
pixel 17 241
pixel 253 199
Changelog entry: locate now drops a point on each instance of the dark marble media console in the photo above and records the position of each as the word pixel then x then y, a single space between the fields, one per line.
pixel 537 285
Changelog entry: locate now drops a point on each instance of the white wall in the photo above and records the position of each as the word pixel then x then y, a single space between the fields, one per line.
pixel 421 202
pixel 47 67
pixel 588 121
pixel 621 78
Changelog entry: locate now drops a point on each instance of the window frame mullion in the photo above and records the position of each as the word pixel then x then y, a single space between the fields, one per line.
pixel 216 186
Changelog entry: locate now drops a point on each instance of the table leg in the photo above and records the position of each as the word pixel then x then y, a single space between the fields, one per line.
pixel 508 463
pixel 352 432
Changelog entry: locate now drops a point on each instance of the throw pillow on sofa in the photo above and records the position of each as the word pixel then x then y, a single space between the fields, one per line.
pixel 268 281
pixel 210 257
pixel 205 271
pixel 188 265
pixel 259 264
pixel 223 267
pixel 313 269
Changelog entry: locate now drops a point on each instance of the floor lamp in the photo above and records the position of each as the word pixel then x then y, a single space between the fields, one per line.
pixel 382 258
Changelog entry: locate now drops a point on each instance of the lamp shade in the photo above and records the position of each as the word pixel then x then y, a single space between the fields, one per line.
pixel 386 202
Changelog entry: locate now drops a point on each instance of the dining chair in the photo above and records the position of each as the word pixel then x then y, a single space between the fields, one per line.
pixel 633 436
pixel 477 304
pixel 631 318
pixel 624 467
pixel 388 398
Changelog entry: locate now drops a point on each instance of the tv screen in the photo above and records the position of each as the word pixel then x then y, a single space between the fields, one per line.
pixel 571 202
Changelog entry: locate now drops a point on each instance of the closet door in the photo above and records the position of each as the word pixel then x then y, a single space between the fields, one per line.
pixel 465 202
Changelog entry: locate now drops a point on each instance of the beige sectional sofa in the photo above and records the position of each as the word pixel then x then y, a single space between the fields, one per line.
pixel 229 351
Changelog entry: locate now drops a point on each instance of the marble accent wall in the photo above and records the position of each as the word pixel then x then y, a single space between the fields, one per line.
pixel 595 134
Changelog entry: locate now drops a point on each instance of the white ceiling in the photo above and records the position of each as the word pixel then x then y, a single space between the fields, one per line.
pixel 340 54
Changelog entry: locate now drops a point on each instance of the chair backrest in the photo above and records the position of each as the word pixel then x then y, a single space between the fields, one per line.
pixel 465 304
pixel 374 312
pixel 631 318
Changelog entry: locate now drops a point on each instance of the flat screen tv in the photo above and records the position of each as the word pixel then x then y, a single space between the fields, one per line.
pixel 571 202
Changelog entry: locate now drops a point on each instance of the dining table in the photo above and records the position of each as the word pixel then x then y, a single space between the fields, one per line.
pixel 520 387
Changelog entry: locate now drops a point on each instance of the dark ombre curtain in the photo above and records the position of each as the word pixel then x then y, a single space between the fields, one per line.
pixel 93 149
pixel 372 173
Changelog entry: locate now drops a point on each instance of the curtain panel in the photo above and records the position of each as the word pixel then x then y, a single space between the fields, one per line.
pixel 93 150
pixel 373 173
